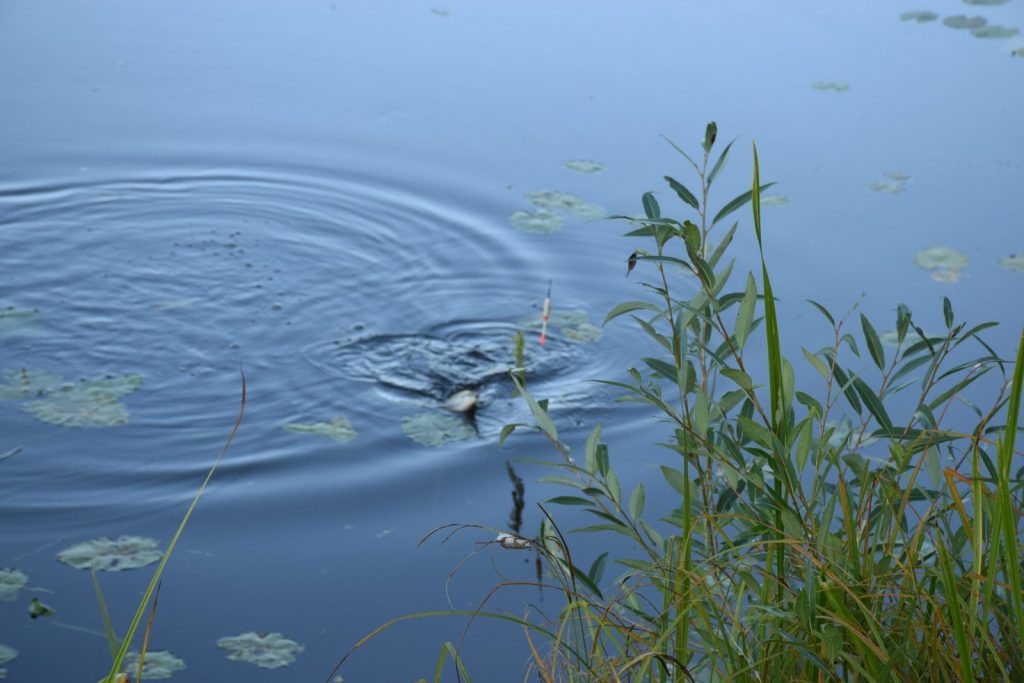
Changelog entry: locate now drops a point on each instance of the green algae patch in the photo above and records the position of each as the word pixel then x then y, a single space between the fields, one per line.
pixel 266 650
pixel 919 17
pixel 159 664
pixel 27 383
pixel 584 166
pixel 573 325
pixel 87 403
pixel 944 263
pixel 13 319
pixel 964 22
pixel 339 429
pixel 437 429
pixel 830 85
pixel 995 31
pixel 104 554
pixel 555 200
pixel 11 581
pixel 1013 262
pixel 540 221
pixel 893 182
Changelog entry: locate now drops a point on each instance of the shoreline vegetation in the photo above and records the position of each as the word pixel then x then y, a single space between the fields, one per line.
pixel 846 531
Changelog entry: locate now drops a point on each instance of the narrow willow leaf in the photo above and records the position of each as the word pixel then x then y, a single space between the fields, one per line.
pixel 737 203
pixel 902 322
pixel 818 364
pixel 710 135
pixel 716 255
pixel 539 413
pixel 683 152
pixel 683 192
pixel 661 368
pixel 628 307
pixel 745 314
pixel 873 404
pixel 873 342
pixel 651 208
pixel 741 378
pixel 805 440
pixel 596 572
pixel 754 432
pixel 571 500
pixel 823 311
pixel 675 478
pixel 719 164
pixel 506 431
pixel 590 451
pixel 614 488
pixel 602 459
pixel 947 311
pixel 636 502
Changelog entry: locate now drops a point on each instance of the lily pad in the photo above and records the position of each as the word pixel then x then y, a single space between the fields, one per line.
pixel 573 324
pixel 542 221
pixel 919 17
pixel 437 429
pixel 1013 262
pixel 829 85
pixel 935 258
pixel 12 318
pixel 995 31
pixel 159 664
pixel 1019 52
pixel 339 429
pixel 26 383
pixel 88 403
pixel 553 200
pixel 267 650
pixel 894 183
pixel 961 21
pixel 11 581
pixel 584 166
pixel 104 554
pixel 986 2
pixel 6 655
pixel 892 338
pixel 774 200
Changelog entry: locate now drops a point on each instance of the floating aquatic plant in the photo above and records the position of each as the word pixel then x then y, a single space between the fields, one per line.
pixel 1013 262
pixel 829 85
pixel 774 200
pixel 945 263
pixel 104 554
pixel 919 17
pixel 573 325
pixel 88 403
pixel 563 201
pixel 26 383
pixel 960 21
pixel 437 429
pixel 11 581
pixel 542 221
pixel 12 318
pixel 995 31
pixel 894 183
pixel 584 166
pixel 267 650
pixel 37 608
pixel 339 429
pixel 6 654
pixel 159 664
pixel 986 2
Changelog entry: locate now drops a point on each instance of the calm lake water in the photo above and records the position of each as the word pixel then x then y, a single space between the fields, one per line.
pixel 320 194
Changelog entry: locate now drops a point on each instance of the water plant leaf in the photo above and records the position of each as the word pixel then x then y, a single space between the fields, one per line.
pixel 995 31
pixel 944 263
pixel 961 21
pixel 266 650
pixel 919 17
pixel 159 664
pixel 13 319
pixel 87 403
pixel 830 85
pixel 27 383
pixel 540 221
pixel 584 166
pixel 894 183
pixel 339 429
pixel 437 428
pixel 104 554
pixel 986 2
pixel 1013 262
pixel 11 581
pixel 7 653
pixel 556 200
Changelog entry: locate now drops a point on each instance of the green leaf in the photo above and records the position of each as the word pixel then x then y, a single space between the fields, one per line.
pixel 596 571
pixel 570 500
pixel 737 203
pixel 818 364
pixel 662 369
pixel 628 307
pixel 873 342
pixel 719 164
pixel 947 311
pixel 539 413
pixel 614 489
pixel 590 452
pixel 675 478
pixel 873 404
pixel 741 378
pixel 745 314
pixel 651 208
pixel 683 193
pixel 636 502
pixel 824 312
pixel 710 134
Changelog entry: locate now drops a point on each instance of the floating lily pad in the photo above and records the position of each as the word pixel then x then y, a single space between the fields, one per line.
pixel 104 554
pixel 1013 262
pixel 6 655
pixel 829 85
pixel 437 429
pixel 12 318
pixel 339 429
pixel 267 650
pixel 774 200
pixel 159 664
pixel 542 221
pixel 563 201
pixel 584 166
pixel 27 383
pixel 945 263
pixel 960 21
pixel 11 581
pixel 1019 52
pixel 892 338
pixel 574 325
pixel 986 2
pixel 88 403
pixel 919 17
pixel 894 183
pixel 995 31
